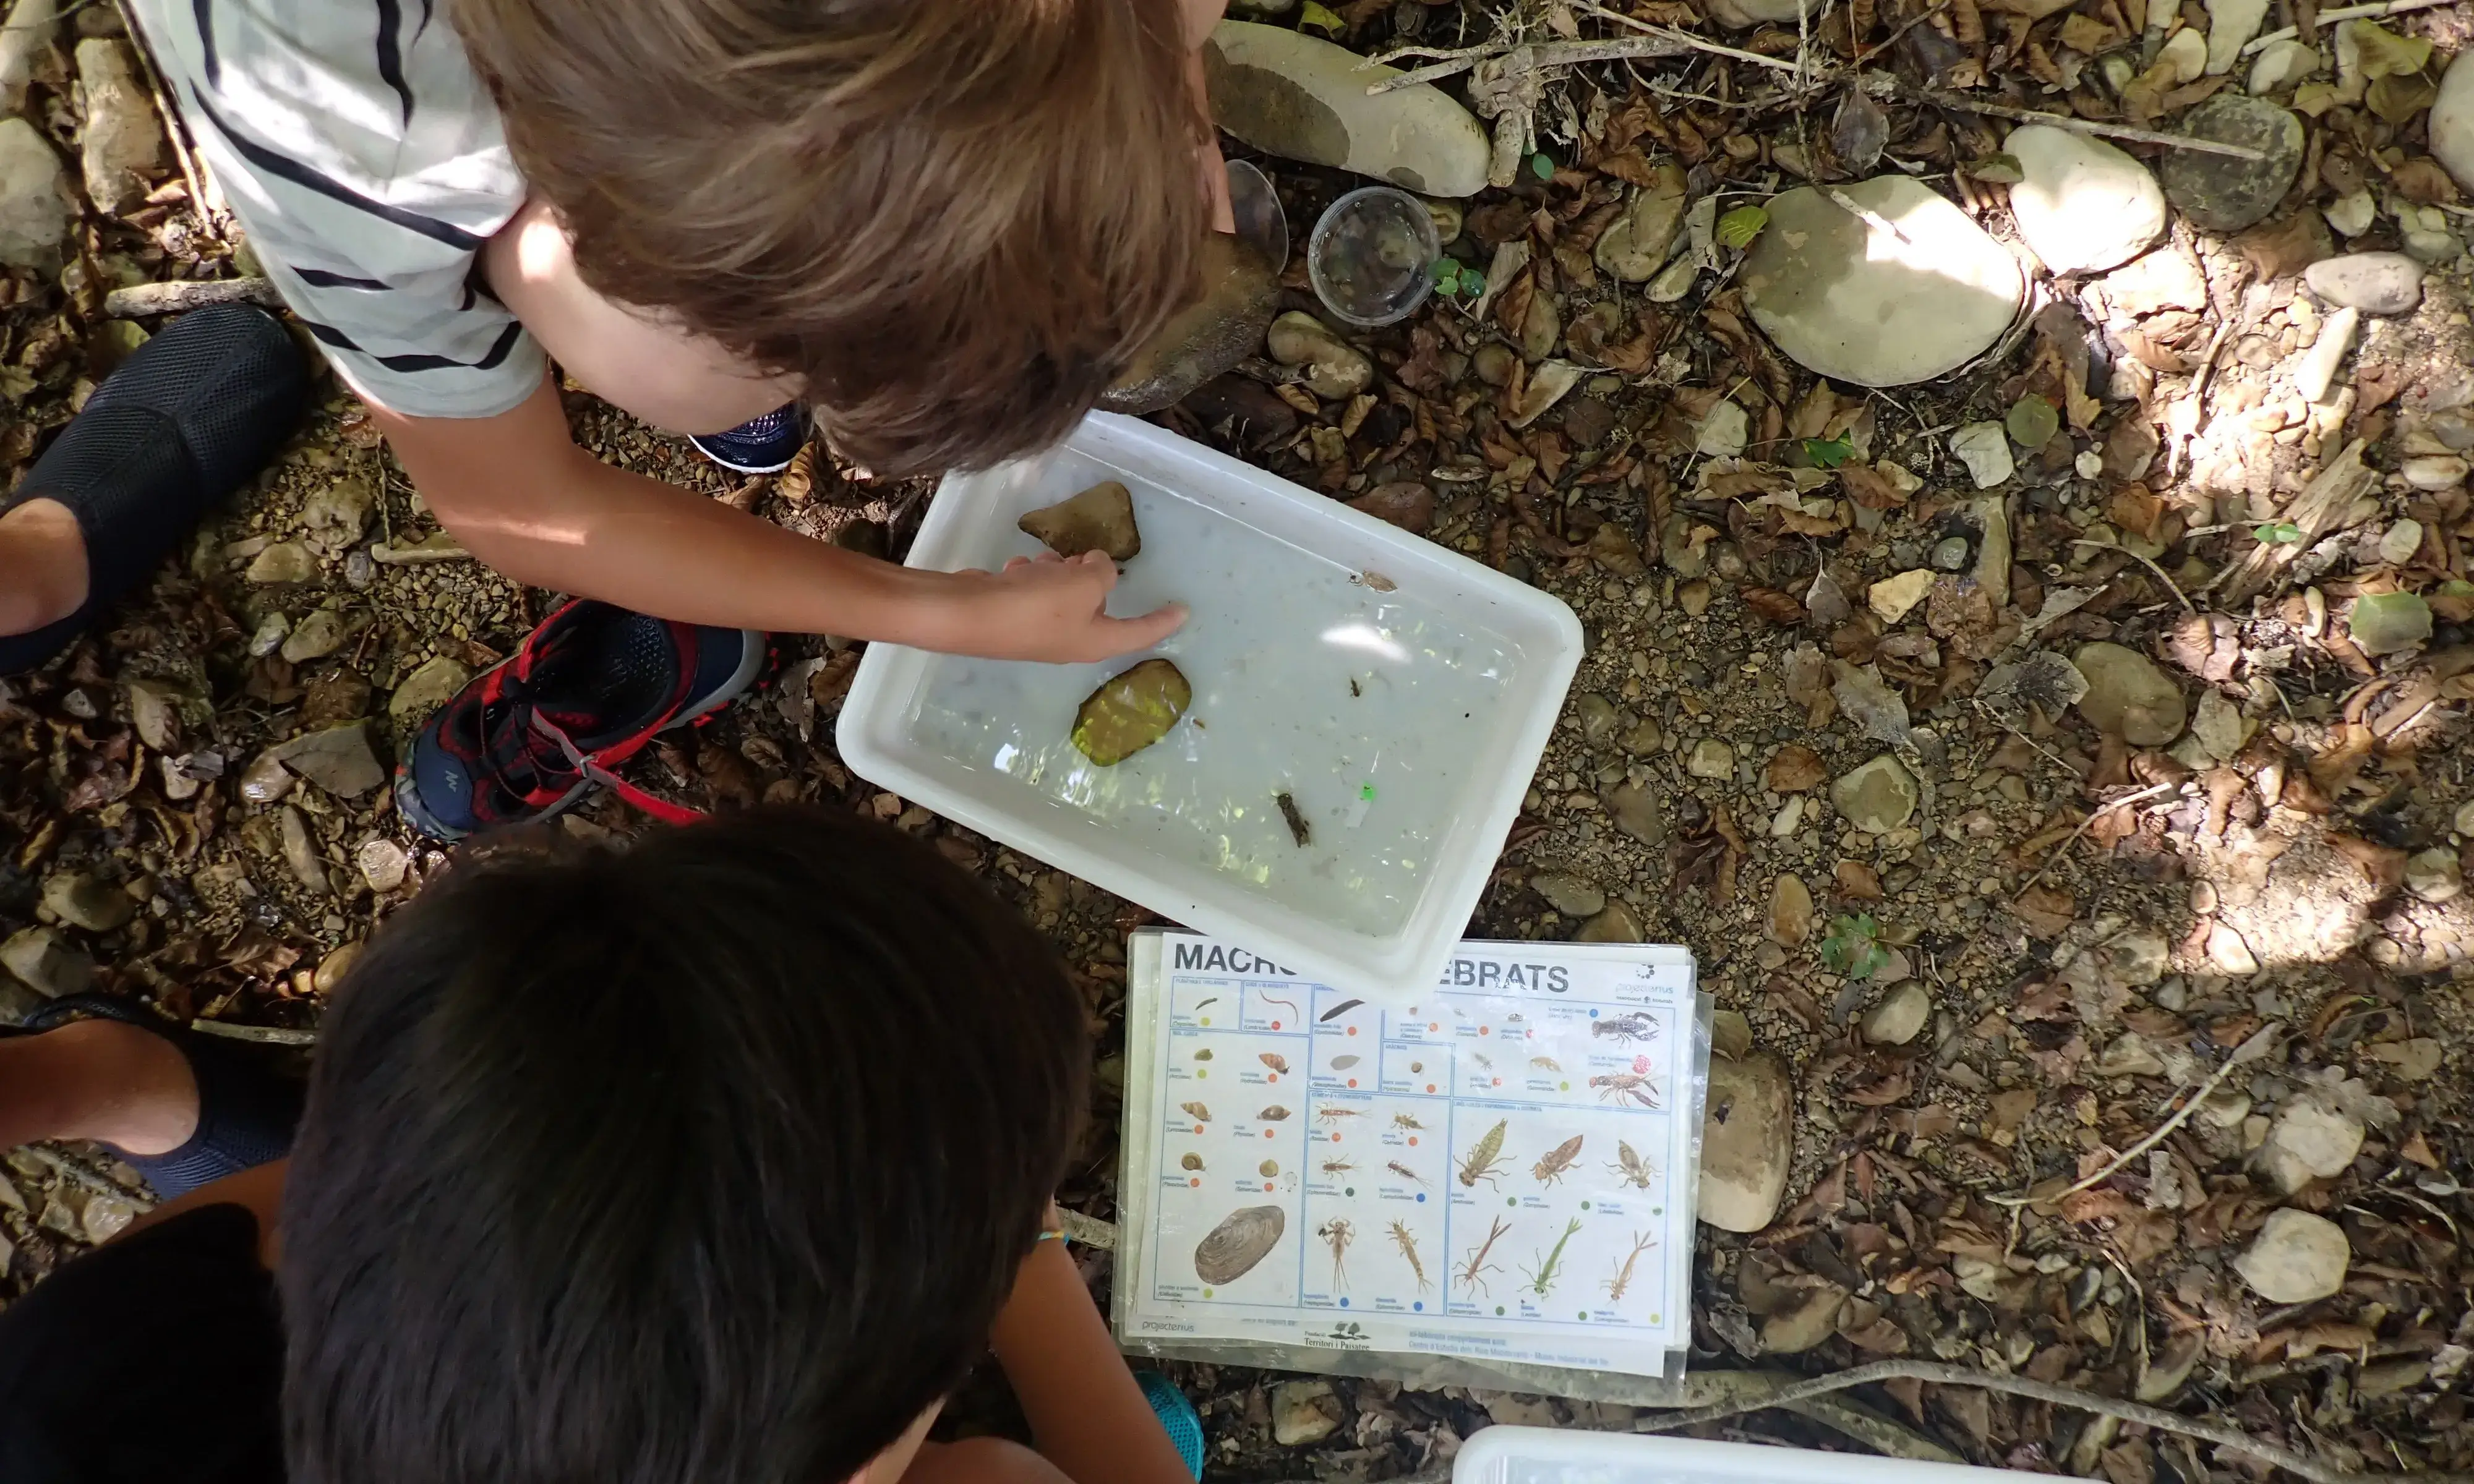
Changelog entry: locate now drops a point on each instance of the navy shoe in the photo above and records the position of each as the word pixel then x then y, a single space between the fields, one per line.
pixel 528 738
pixel 189 417
pixel 246 1111
pixel 760 445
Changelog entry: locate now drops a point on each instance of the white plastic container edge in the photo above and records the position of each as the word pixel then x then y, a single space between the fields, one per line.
pixel 1552 1455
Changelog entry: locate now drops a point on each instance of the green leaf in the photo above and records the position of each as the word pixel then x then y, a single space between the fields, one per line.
pixel 2033 421
pixel 1828 452
pixel 1541 165
pixel 1739 228
pixel 2278 532
pixel 1321 18
pixel 1999 169
pixel 1854 946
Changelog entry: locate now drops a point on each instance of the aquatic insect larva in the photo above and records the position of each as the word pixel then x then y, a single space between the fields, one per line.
pixel 1405 1173
pixel 1558 1160
pixel 1274 1113
pixel 1551 1267
pixel 1335 1115
pixel 1629 1164
pixel 1408 1246
pixel 1299 829
pixel 1198 1112
pixel 1544 1064
pixel 1476 1264
pixel 1275 1061
pixel 1407 1121
pixel 1615 1286
pixel 1337 1166
pixel 1483 1159
pixel 1338 1232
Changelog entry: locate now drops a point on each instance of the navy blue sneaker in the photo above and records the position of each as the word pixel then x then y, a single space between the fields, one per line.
pixel 189 417
pixel 760 445
pixel 530 737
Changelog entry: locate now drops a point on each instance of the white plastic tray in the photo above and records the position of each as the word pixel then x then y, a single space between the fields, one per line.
pixel 1549 1455
pixel 1399 693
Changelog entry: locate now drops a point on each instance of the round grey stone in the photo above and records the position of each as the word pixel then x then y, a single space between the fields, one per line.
pixel 2220 193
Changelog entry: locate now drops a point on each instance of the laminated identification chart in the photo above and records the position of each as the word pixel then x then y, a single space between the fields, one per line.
pixel 1501 1170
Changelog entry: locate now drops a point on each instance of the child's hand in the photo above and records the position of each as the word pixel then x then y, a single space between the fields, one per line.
pixel 1052 610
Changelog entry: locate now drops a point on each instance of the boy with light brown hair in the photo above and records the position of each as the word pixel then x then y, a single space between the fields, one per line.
pixel 939 227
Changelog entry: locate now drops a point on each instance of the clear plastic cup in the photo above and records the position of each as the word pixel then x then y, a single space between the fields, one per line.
pixel 1372 256
pixel 1256 206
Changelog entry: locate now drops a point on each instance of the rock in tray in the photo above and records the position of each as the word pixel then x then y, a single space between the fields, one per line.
pixel 1100 518
pixel 1129 711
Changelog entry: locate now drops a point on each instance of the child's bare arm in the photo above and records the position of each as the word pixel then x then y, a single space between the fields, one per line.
pixel 1086 1414
pixel 522 497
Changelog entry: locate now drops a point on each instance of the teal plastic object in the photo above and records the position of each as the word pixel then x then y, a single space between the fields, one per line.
pixel 1177 1414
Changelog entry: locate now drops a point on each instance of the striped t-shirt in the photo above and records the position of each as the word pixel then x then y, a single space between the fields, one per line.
pixel 366 161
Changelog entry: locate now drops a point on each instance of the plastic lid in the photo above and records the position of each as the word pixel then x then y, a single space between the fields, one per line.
pixel 1371 256
pixel 1256 206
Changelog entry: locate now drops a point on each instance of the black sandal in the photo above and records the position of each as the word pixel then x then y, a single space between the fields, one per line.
pixel 189 417
pixel 246 1111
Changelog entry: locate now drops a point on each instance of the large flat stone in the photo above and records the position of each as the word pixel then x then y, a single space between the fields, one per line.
pixel 1853 302
pixel 1303 97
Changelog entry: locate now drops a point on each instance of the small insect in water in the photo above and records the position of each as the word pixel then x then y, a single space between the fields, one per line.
pixel 1198 1112
pixel 1632 1167
pixel 1337 1234
pixel 1625 1029
pixel 1475 1265
pixel 1298 830
pixel 1408 1246
pixel 1642 1242
pixel 1203 1055
pixel 1377 581
pixel 1407 1121
pixel 1546 1064
pixel 1192 1161
pixel 1270 1168
pixel 1550 1267
pixel 1274 1113
pixel 1621 1088
pixel 1558 1161
pixel 1335 1115
pixel 1339 1010
pixel 1405 1173
pixel 1484 1159
pixel 1275 1061
pixel 1354 690
pixel 1337 1166
pixel 1342 1064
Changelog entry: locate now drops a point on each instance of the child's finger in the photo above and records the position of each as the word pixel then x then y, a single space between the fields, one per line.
pixel 1141 632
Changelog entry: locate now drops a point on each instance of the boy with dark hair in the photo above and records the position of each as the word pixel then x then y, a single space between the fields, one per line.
pixel 722 1159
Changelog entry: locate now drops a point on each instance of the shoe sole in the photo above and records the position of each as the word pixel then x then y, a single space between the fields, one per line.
pixel 718 462
pixel 756 651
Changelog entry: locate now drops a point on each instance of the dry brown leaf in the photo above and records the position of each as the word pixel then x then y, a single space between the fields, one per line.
pixel 2047 911
pixel 1779 608
pixel 1793 769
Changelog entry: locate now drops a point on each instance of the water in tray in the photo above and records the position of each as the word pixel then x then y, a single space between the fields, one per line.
pixel 1361 705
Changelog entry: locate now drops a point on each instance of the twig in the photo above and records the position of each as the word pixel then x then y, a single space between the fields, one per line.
pixel 262 1034
pixel 2250 1050
pixel 1866 215
pixel 2150 565
pixel 1940 1374
pixel 1665 42
pixel 178 296
pixel 2343 12
pixel 2107 807
pixel 1892 39
pixel 2083 125
pixel 1087 1230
